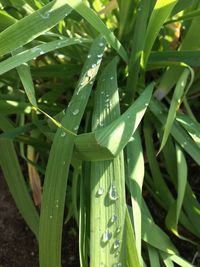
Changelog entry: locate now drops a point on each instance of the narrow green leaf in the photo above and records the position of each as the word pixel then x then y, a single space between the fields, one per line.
pixel 89 15
pixel 135 161
pixel 23 57
pixel 55 184
pixel 107 217
pixel 132 253
pixel 174 106
pixel 160 13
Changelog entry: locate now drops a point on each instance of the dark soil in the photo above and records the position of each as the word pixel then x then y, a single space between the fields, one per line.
pixel 18 247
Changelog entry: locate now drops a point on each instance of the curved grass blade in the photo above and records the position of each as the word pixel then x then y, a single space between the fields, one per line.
pixel 107 142
pixel 55 184
pixel 174 106
pixel 107 217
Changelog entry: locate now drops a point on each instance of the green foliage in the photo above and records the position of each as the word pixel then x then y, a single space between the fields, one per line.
pixel 77 107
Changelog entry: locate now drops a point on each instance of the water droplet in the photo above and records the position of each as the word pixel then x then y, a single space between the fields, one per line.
pixel 64 162
pixel 75 112
pixel 91 82
pixel 63 134
pixel 50 216
pixel 100 55
pixel 118 230
pixel 37 49
pixel 146 104
pixel 89 56
pixel 76 128
pixel 106 236
pixel 93 66
pixel 113 218
pixel 101 44
pixel 128 116
pixel 57 206
pixel 116 244
pixel 111 78
pixel 182 83
pixel 107 95
pixel 44 15
pixel 107 100
pixel 100 191
pixel 102 92
pixel 113 193
pixel 101 123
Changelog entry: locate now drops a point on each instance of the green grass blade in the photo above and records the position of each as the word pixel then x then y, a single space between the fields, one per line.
pixel 16 183
pixel 137 49
pixel 179 134
pixel 132 258
pixel 161 12
pixel 20 58
pixel 188 57
pixel 107 142
pixel 174 106
pixel 153 256
pixel 33 25
pixel 89 15
pixel 154 235
pixel 135 161
pixel 175 210
pixel 55 184
pixel 107 217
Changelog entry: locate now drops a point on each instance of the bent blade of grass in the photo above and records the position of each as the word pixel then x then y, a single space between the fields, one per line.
pixel 33 25
pixel 107 217
pixel 174 106
pixel 107 142
pixel 161 12
pixel 26 55
pixel 89 15
pixel 135 161
pixel 55 184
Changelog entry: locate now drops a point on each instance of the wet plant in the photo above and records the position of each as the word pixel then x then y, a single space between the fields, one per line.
pixel 99 99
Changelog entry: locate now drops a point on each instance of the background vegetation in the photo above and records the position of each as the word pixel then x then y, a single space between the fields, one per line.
pixel 99 121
